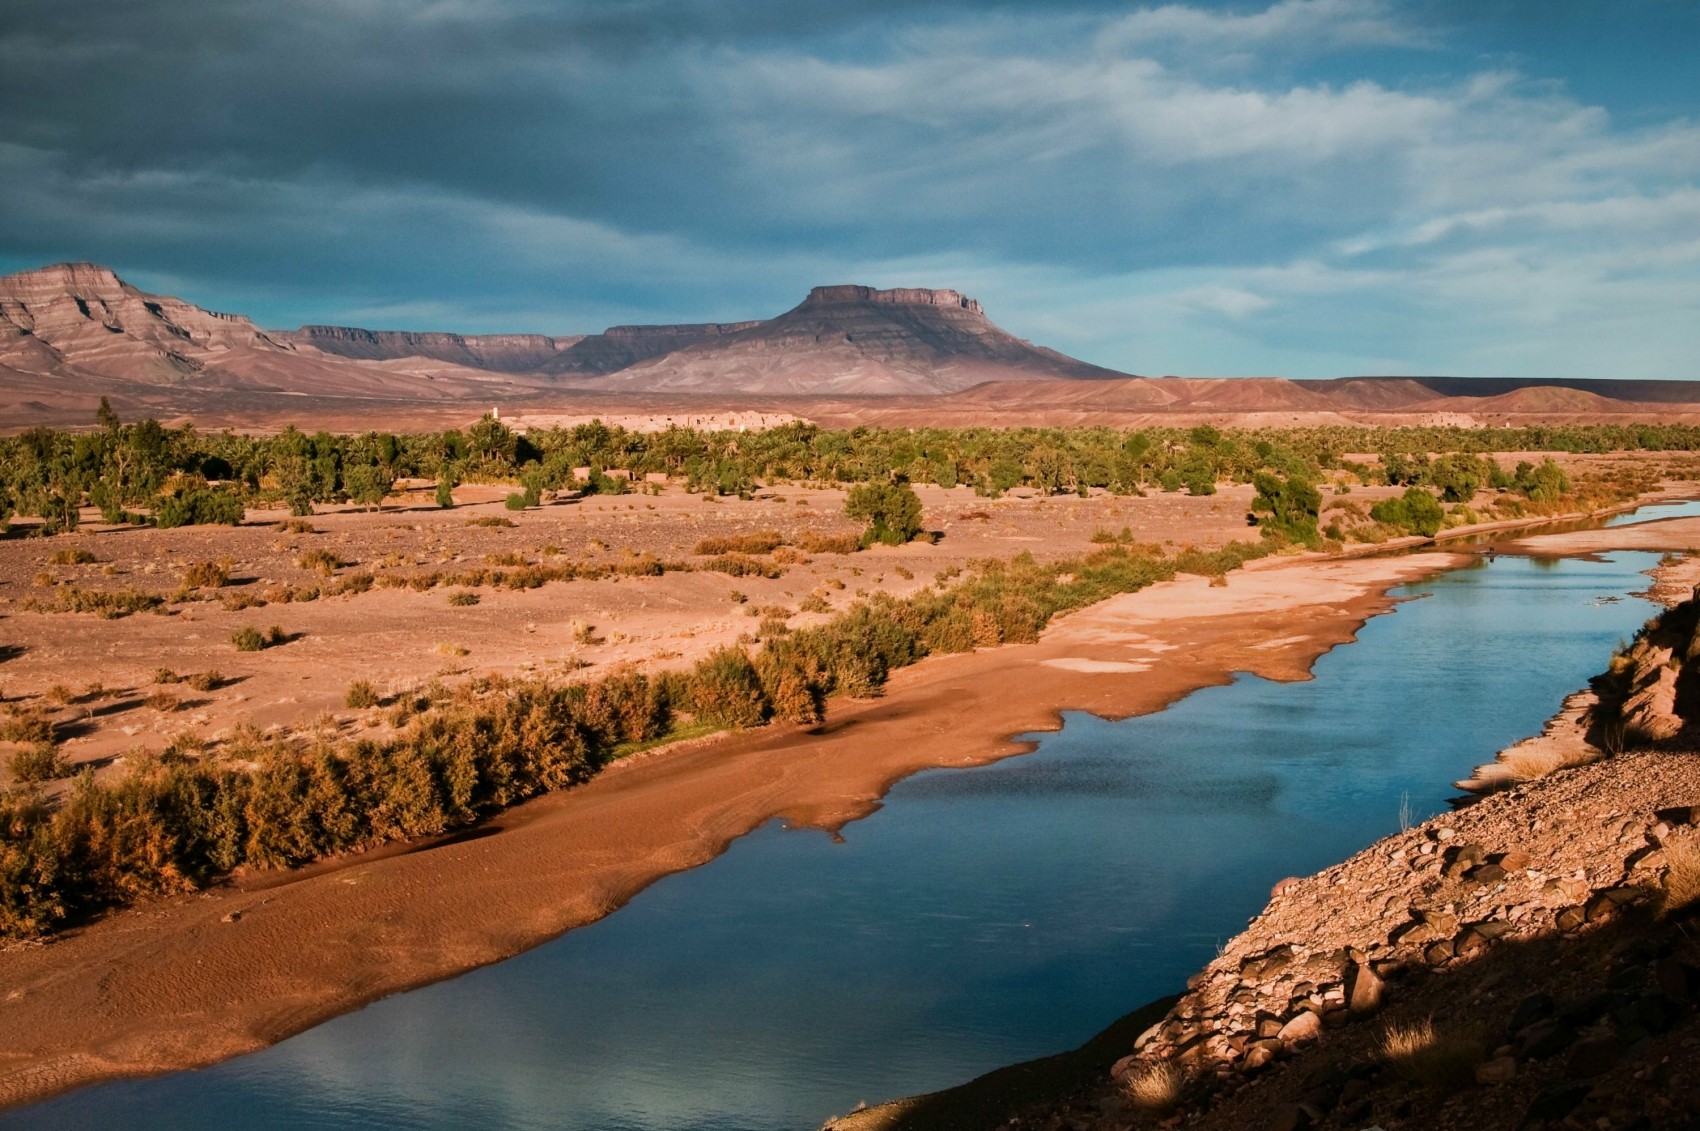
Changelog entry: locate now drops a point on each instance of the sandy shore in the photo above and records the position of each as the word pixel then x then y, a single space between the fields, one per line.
pixel 179 983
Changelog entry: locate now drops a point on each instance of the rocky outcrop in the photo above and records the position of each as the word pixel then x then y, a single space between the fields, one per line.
pixel 502 353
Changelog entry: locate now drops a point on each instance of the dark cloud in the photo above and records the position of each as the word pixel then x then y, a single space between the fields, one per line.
pixel 524 163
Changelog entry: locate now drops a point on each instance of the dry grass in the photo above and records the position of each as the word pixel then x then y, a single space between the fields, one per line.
pixel 360 695
pixel 461 598
pixel 296 526
pixel 320 561
pixel 1682 874
pixel 1155 1087
pixel 207 575
pixel 812 543
pixel 1419 1052
pixel 1528 761
pixel 761 542
pixel 71 555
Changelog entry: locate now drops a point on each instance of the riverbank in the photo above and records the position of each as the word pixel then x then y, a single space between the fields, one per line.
pixel 1528 954
pixel 184 982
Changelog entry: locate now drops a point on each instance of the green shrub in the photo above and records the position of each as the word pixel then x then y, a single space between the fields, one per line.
pixel 725 688
pixel 1415 511
pixel 37 762
pixel 891 510
pixel 248 639
pixel 71 555
pixel 360 695
pixel 517 502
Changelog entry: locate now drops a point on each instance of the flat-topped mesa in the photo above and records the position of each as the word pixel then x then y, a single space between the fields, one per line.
pixel 904 296
pixel 514 353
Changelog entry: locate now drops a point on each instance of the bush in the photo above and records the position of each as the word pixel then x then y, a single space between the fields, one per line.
pixel 323 562
pixel 445 494
pixel 207 575
pixel 71 555
pixel 517 502
pixel 462 598
pixel 210 680
pixel 248 639
pixel 198 507
pixel 1415 511
pixel 891 510
pixel 1287 508
pixel 812 543
pixel 296 526
pixel 360 695
pixel 37 763
pixel 761 542
pixel 495 520
pixel 725 688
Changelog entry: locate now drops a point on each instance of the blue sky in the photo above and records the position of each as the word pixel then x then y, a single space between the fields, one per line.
pixel 1306 188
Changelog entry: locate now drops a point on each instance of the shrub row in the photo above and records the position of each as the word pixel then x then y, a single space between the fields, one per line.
pixel 176 825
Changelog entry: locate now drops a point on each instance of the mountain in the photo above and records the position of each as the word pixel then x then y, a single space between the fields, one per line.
pixel 855 340
pixel 501 353
pixel 83 315
pixel 620 347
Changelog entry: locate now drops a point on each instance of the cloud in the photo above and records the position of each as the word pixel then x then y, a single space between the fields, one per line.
pixel 1310 24
pixel 1182 186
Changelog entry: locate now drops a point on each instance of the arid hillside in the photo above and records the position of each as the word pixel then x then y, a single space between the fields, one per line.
pixel 847 355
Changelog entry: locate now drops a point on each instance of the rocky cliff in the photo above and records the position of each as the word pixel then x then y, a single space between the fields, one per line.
pixel 620 347
pixel 84 316
pixel 502 353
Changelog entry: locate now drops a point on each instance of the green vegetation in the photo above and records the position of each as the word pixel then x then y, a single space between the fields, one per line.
pixel 1287 508
pixel 171 476
pixel 251 639
pixel 891 510
pixel 360 695
pixel 1414 512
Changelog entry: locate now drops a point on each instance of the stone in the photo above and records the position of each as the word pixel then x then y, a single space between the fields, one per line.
pixel 1438 953
pixel 1570 918
pixel 1260 1055
pixel 1499 1070
pixel 1485 874
pixel 1554 1102
pixel 1289 1117
pixel 1514 861
pixel 1679 815
pixel 1304 1026
pixel 1545 1038
pixel 1535 1007
pixel 1594 1055
pixel 1364 996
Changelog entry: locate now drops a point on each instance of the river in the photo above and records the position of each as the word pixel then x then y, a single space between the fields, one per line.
pixel 980 917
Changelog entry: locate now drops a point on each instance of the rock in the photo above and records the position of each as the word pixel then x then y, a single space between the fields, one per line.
pixel 1439 953
pixel 1554 1102
pixel 1304 1026
pixel 1679 815
pixel 232 916
pixel 1259 1055
pixel 1289 1117
pixel 1535 1007
pixel 1514 861
pixel 1594 1056
pixel 1364 996
pixel 1570 918
pixel 1499 1070
pixel 1485 874
pixel 1545 1038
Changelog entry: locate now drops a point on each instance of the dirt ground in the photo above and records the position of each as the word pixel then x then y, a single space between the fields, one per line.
pixel 402 638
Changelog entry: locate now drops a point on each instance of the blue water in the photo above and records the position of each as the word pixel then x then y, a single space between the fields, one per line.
pixel 980 917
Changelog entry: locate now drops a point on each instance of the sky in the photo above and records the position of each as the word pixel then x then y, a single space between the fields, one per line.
pixel 1305 188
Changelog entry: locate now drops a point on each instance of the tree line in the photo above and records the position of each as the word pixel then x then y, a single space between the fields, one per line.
pixel 145 472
